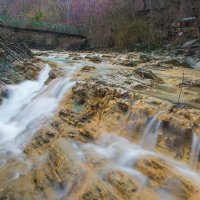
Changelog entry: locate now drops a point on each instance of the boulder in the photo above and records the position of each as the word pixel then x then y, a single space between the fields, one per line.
pixel 88 69
pixel 148 74
pixel 189 83
pixel 178 63
pixel 95 59
pixel 129 63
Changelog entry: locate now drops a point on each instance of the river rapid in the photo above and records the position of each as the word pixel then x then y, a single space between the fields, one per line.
pixel 110 126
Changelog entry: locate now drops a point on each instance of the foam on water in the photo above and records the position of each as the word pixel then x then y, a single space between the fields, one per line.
pixel 124 156
pixel 29 106
pixel 115 153
pixel 195 152
pixel 149 139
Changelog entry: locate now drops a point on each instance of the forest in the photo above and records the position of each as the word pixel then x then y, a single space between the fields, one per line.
pixel 109 23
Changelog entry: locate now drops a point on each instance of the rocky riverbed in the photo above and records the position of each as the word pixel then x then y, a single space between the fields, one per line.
pixel 126 128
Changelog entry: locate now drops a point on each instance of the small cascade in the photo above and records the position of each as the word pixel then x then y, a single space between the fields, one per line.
pixel 134 121
pixel 129 121
pixel 195 152
pixel 111 160
pixel 150 137
pixel 124 155
pixel 28 107
pixel 129 116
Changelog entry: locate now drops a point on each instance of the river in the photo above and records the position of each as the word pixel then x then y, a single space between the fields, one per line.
pixel 102 130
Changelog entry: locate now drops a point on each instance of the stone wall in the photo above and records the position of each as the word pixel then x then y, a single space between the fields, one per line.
pixel 40 40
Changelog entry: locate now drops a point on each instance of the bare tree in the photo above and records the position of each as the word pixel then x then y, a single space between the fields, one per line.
pixel 4 6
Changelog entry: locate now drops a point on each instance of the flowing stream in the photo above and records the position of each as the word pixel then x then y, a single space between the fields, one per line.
pixel 31 104
pixel 149 139
pixel 27 108
pixel 194 157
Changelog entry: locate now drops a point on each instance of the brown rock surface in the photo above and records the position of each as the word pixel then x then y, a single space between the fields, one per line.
pixel 67 166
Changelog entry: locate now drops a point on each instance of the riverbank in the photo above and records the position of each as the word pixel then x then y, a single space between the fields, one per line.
pixel 14 61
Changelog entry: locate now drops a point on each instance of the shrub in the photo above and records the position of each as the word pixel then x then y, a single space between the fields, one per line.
pixel 138 31
pixel 39 15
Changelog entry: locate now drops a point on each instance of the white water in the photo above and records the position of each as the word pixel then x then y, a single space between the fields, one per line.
pixel 28 107
pixel 195 152
pixel 150 137
pixel 32 103
pixel 124 155
pixel 121 154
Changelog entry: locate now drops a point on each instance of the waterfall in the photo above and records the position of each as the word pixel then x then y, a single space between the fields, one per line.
pixel 29 105
pixel 195 152
pixel 124 155
pixel 150 136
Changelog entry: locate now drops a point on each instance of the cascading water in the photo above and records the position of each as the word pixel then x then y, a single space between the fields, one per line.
pixel 124 156
pixel 149 139
pixel 31 104
pixel 28 106
pixel 195 152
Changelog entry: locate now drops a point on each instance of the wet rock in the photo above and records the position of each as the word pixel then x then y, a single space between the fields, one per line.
pixel 161 174
pixel 166 106
pixel 79 92
pixel 105 101
pixel 196 100
pixel 69 117
pixel 4 92
pixel 123 105
pixel 76 58
pixel 126 185
pixel 197 120
pixel 196 83
pixel 192 62
pixel 52 75
pixel 138 86
pixel 17 63
pixel 100 191
pixel 45 137
pixel 178 63
pixel 148 74
pixel 56 124
pixel 87 134
pixel 95 59
pixel 192 44
pixel 189 83
pixel 129 63
pixel 145 58
pixel 88 69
